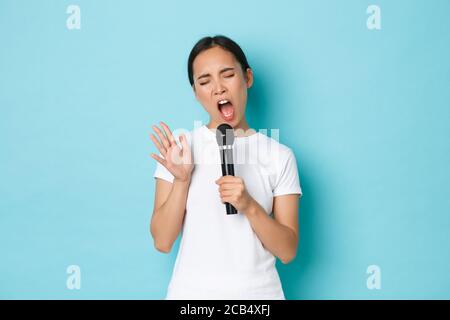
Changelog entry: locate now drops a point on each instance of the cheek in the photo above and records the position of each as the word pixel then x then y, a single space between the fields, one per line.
pixel 201 94
pixel 241 93
pixel 203 97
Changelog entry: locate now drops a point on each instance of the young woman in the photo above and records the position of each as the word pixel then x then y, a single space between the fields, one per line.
pixel 224 256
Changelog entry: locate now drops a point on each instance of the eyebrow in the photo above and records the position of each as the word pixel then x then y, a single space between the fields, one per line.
pixel 221 71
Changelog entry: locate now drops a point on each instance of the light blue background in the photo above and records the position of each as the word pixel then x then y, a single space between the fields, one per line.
pixel 366 113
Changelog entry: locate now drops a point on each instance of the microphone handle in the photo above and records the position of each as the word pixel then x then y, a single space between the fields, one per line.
pixel 228 169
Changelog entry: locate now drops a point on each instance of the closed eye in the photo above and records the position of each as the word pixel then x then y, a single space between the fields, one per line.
pixel 230 75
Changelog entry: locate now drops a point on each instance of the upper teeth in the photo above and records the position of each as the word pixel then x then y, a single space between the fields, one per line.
pixel 223 101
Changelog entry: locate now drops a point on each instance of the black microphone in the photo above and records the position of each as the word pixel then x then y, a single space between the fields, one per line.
pixel 225 140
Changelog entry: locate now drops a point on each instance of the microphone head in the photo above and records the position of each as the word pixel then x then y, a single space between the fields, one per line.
pixel 225 135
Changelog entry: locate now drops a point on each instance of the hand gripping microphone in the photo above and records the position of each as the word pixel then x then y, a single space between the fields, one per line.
pixel 225 140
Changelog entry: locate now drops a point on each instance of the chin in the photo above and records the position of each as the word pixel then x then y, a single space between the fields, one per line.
pixel 234 122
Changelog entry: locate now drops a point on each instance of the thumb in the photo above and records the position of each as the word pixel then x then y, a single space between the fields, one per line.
pixel 183 142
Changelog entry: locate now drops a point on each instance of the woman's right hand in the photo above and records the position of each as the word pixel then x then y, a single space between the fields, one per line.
pixel 177 161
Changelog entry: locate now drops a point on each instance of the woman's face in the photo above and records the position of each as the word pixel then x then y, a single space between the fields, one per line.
pixel 220 85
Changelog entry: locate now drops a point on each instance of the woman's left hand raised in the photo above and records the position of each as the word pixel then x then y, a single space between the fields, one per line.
pixel 232 190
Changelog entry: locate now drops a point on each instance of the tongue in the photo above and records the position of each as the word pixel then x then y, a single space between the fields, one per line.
pixel 227 110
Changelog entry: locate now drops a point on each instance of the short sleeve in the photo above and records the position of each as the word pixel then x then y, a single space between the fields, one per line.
pixel 288 181
pixel 162 173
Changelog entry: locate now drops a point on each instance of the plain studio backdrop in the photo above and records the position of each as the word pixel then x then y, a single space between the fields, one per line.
pixel 366 112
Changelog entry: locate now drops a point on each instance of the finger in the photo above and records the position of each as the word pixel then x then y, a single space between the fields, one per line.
pixel 161 149
pixel 159 159
pixel 227 199
pixel 168 132
pixel 162 137
pixel 184 143
pixel 226 193
pixel 227 186
pixel 227 179
pixel 186 151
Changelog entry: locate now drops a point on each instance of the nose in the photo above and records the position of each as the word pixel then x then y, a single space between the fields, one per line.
pixel 219 88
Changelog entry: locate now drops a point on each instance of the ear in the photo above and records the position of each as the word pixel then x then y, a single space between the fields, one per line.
pixel 249 77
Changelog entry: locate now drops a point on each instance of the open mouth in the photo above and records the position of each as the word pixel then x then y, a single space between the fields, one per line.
pixel 226 109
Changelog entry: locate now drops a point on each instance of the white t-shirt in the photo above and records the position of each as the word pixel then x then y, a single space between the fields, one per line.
pixel 220 256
